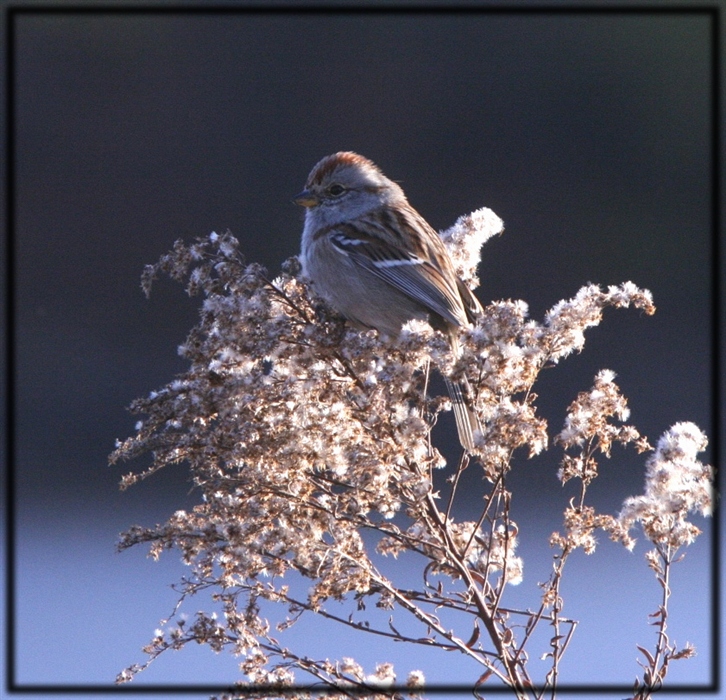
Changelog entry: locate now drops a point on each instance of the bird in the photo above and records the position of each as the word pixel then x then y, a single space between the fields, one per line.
pixel 378 262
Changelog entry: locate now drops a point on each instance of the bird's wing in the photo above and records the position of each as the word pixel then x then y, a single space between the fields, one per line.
pixel 472 306
pixel 425 278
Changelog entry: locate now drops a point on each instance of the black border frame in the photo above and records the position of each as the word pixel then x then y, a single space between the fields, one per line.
pixel 712 11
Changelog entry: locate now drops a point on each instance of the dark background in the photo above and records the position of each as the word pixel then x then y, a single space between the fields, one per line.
pixel 588 133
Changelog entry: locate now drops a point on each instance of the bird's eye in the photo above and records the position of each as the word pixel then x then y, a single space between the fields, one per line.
pixel 336 190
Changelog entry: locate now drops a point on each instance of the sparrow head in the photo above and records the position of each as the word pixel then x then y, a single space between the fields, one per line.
pixel 346 181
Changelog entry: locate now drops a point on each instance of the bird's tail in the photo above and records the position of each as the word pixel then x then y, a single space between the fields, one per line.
pixel 460 394
pixel 466 420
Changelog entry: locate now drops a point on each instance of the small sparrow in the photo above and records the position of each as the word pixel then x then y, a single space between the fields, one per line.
pixel 377 261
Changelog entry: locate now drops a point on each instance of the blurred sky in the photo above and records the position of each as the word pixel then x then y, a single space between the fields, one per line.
pixel 589 134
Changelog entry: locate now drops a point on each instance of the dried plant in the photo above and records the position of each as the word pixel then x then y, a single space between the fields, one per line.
pixel 311 447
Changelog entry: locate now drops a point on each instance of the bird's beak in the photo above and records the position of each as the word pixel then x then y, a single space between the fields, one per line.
pixel 307 199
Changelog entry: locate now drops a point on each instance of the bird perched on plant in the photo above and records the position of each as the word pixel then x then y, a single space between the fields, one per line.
pixel 377 261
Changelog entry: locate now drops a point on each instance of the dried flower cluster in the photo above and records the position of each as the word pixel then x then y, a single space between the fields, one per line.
pixel 676 484
pixel 307 439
